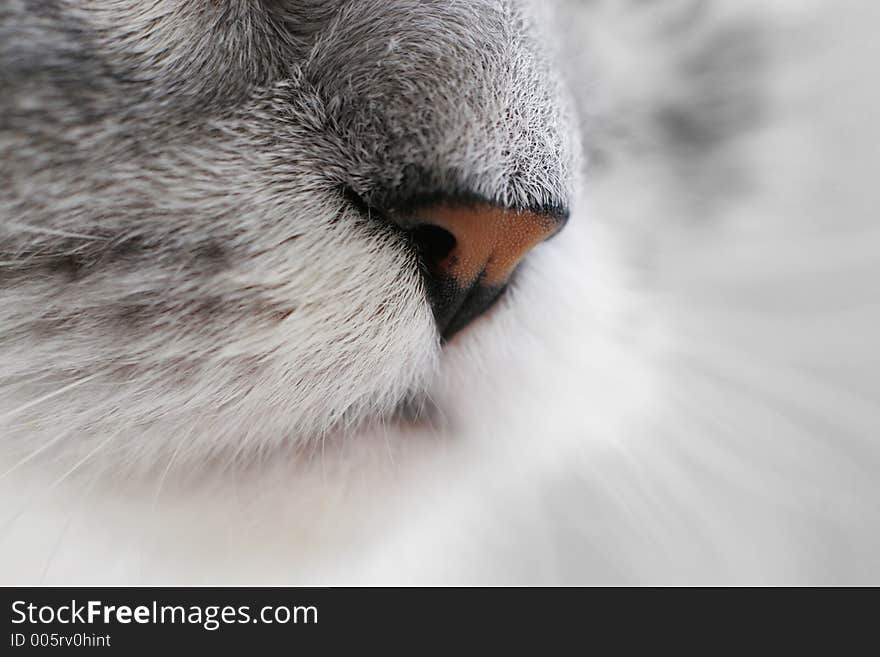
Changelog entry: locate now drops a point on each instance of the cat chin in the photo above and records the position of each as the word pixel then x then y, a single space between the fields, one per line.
pixel 358 345
pixel 202 433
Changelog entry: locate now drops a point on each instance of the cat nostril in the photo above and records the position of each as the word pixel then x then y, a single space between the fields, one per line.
pixel 433 242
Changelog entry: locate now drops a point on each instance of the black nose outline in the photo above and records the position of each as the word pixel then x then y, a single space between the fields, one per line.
pixel 456 306
pixel 455 303
pixel 465 280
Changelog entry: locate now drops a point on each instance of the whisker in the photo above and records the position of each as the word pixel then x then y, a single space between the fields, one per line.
pixel 38 230
pixel 10 521
pixel 35 453
pixel 57 545
pixel 165 472
pixel 141 544
pixel 40 400
pixel 51 443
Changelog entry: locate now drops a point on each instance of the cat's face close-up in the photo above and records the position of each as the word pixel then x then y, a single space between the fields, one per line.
pixel 234 226
pixel 439 291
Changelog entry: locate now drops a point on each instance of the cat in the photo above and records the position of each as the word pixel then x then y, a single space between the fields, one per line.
pixel 231 351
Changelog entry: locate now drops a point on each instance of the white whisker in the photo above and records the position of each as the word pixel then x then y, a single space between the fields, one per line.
pixel 10 521
pixel 151 520
pixel 55 393
pixel 38 230
pixel 34 454
pixel 56 546
pixel 48 445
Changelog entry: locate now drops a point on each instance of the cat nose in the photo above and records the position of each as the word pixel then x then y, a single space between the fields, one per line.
pixel 469 253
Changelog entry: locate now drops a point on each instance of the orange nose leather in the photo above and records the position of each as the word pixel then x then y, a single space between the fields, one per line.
pixel 487 243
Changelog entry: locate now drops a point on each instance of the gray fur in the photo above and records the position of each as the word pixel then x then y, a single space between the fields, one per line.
pixel 181 265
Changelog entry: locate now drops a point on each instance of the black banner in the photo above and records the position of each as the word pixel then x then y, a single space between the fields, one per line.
pixel 129 620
